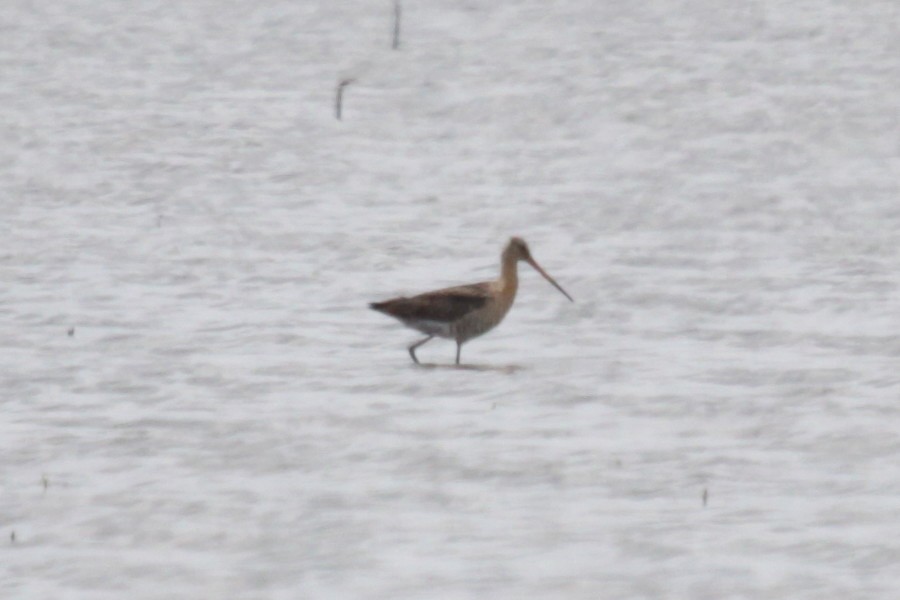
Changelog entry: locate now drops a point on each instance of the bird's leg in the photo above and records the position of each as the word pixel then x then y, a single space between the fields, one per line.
pixel 412 349
pixel 458 348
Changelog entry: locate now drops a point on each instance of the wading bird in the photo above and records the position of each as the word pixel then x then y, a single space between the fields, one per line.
pixel 467 311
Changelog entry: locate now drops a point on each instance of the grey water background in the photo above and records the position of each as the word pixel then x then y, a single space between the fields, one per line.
pixel 717 184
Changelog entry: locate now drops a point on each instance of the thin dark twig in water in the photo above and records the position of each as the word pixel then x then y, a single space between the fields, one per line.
pixel 397 13
pixel 339 97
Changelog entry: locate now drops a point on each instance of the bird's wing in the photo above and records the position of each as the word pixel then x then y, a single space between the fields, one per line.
pixel 447 305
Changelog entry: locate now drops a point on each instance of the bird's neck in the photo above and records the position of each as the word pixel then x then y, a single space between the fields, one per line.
pixel 509 274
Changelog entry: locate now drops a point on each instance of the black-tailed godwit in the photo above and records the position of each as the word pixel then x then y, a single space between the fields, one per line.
pixel 466 311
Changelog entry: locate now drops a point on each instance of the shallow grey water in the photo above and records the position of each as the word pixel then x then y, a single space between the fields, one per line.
pixel 717 187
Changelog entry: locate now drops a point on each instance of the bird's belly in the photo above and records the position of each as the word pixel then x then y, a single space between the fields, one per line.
pixel 477 324
pixel 426 326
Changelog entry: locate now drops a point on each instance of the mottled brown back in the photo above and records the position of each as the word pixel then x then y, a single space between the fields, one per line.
pixel 447 305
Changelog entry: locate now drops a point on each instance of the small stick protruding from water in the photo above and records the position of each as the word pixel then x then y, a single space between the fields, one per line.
pixel 12 537
pixel 45 482
pixel 397 12
pixel 339 97
pixel 705 496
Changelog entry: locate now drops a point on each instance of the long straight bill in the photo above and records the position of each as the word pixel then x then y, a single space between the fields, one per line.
pixel 538 268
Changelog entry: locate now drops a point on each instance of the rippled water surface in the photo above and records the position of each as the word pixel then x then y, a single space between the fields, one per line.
pixel 197 403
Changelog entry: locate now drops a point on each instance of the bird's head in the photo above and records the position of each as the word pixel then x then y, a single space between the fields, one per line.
pixel 517 250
